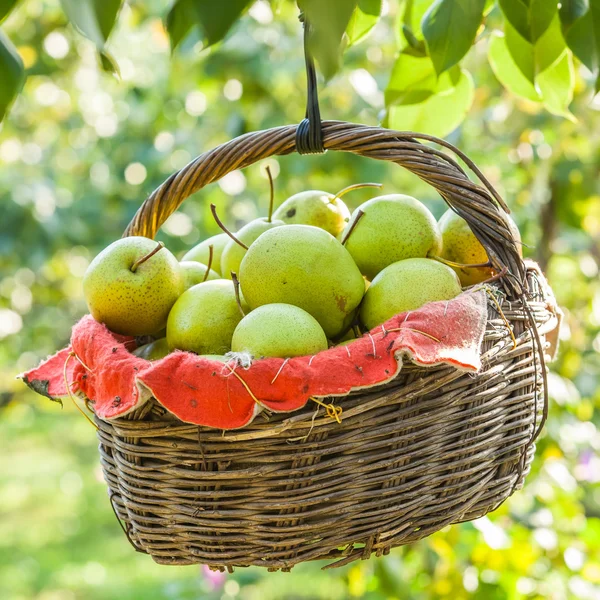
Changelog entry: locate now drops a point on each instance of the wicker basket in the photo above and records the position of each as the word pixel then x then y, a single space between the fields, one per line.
pixel 433 447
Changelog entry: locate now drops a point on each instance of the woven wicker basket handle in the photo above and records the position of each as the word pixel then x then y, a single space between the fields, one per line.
pixel 480 205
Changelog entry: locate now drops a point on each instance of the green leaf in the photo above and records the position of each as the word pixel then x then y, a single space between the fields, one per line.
pixel 556 84
pixel 180 20
pixel 553 83
pixel 12 74
pixel 550 46
pixel 583 38
pixel 571 10
pixel 93 18
pixel 507 70
pixel 5 7
pixel 450 27
pixel 328 22
pixel 364 18
pixel 217 18
pixel 418 100
pixel 412 80
pixel 530 18
pixel 521 51
pixel 534 58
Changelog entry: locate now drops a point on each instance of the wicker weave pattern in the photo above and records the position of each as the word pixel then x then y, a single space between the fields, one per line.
pixel 433 447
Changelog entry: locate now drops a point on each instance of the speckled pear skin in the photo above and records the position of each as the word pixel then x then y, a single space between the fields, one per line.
pixel 316 208
pixel 393 228
pixel 193 273
pixel 407 285
pixel 460 245
pixel 304 266
pixel 200 253
pixel 154 350
pixel 249 233
pixel 217 357
pixel 279 330
pixel 132 303
pixel 204 318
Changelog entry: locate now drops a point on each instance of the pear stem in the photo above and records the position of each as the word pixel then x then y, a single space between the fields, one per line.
pixel 236 289
pixel 359 214
pixel 356 331
pixel 497 276
pixel 209 263
pixel 272 188
pixel 355 186
pixel 139 261
pixel 451 263
pixel 213 209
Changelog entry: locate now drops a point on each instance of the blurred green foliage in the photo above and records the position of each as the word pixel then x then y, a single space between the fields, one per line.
pixel 79 153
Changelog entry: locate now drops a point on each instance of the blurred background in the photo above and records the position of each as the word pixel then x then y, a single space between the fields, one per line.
pixel 80 151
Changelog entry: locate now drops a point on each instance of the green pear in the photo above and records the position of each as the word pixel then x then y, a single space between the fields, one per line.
pixel 316 208
pixel 154 350
pixel 132 285
pixel 248 234
pixel 407 285
pixel 195 272
pixel 462 247
pixel 200 253
pixel 348 337
pixel 279 330
pixel 204 317
pixel 392 228
pixel 319 209
pixel 217 357
pixel 304 266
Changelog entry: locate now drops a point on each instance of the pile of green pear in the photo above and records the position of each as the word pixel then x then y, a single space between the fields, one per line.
pixel 308 276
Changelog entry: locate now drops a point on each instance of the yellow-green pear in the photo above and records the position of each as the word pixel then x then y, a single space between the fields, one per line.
pixel 304 266
pixel 407 285
pixel 204 318
pixel 349 336
pixel 154 350
pixel 280 330
pixel 461 246
pixel 248 234
pixel 317 208
pixel 201 252
pixel 194 272
pixel 132 285
pixel 217 357
pixel 391 228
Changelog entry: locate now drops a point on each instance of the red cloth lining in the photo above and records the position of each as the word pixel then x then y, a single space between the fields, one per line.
pixel 226 396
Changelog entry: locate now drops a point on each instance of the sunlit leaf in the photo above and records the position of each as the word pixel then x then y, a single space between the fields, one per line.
pixel 450 27
pixel 583 36
pixel 364 18
pixel 529 58
pixel 555 85
pixel 436 111
pixel 93 18
pixel 5 7
pixel 520 50
pixel 179 21
pixel 412 80
pixel 217 18
pixel 549 47
pixel 507 70
pixel 530 18
pixel 328 21
pixel 12 74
